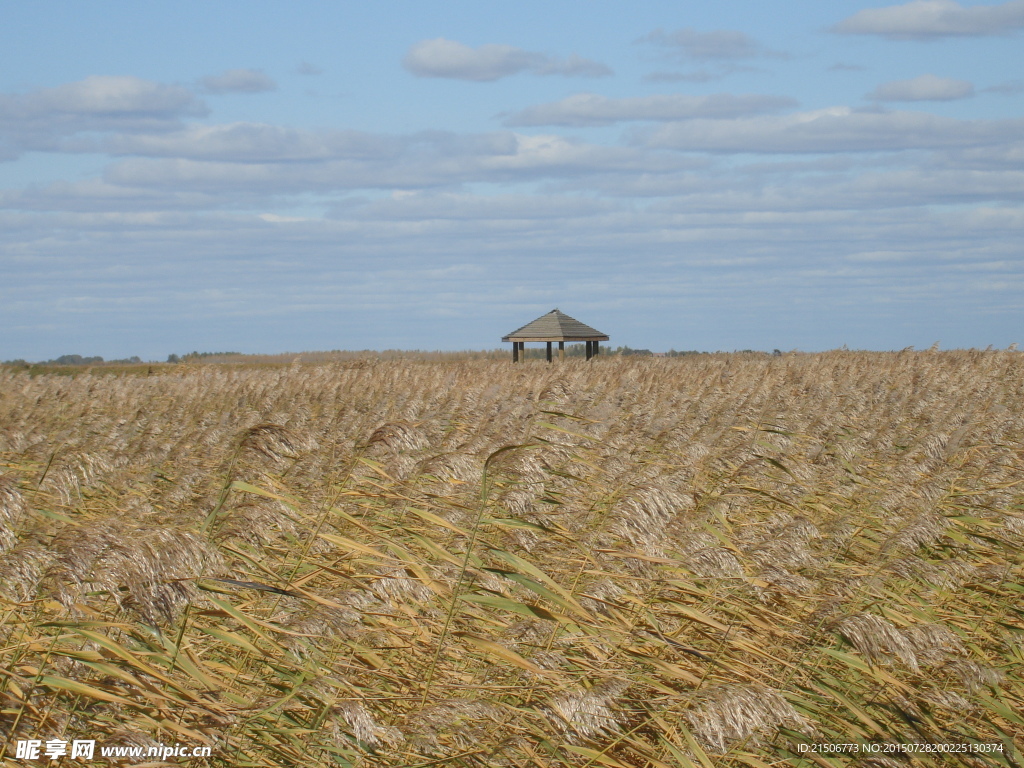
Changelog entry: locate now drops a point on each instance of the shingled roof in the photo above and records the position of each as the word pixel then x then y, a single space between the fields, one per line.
pixel 556 326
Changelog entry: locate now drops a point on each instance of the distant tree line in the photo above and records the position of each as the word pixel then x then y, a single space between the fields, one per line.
pixel 199 356
pixel 77 360
pixel 74 360
pixel 628 351
pixel 580 350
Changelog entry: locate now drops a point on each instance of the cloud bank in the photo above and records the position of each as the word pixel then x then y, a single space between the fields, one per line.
pixel 588 109
pixel 453 60
pixel 716 45
pixel 923 88
pixel 102 96
pixel 832 130
pixel 932 19
pixel 48 119
pixel 238 81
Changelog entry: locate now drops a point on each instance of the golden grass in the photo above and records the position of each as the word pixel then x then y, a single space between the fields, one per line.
pixel 705 561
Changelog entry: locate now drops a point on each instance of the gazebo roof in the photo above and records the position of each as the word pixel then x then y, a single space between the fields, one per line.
pixel 556 326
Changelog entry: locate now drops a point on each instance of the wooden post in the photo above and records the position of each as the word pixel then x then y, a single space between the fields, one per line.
pixel 588 350
pixel 549 351
pixel 561 351
pixel 515 351
pixel 597 347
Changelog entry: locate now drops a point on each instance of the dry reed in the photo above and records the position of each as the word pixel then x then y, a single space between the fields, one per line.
pixel 646 563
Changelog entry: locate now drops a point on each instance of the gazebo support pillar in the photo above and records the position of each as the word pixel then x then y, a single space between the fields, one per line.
pixel 589 349
pixel 597 347
pixel 515 351
pixel 561 351
pixel 549 351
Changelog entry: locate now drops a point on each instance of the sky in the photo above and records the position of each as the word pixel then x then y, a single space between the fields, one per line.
pixel 269 177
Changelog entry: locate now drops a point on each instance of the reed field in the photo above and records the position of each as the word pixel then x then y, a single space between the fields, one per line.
pixel 711 560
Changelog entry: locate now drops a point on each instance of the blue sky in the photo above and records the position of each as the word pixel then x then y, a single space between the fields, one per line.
pixel 270 177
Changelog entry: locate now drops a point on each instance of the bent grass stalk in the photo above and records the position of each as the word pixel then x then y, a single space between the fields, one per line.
pixel 470 544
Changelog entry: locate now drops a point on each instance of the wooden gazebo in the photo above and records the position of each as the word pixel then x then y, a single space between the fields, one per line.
pixel 552 327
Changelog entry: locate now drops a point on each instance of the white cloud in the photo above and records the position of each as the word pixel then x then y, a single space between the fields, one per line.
pixel 405 162
pixel 103 96
pixel 923 88
pixel 930 19
pixel 1000 156
pixel 431 205
pixel 253 142
pixel 450 59
pixel 238 81
pixel 1009 88
pixel 43 119
pixel 554 156
pixel 586 109
pixel 718 44
pixel 98 195
pixel 574 66
pixel 813 190
pixel 837 129
pixel 844 67
pixel 697 76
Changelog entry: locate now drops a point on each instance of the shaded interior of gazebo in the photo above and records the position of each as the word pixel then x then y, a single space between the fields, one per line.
pixel 553 327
